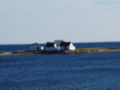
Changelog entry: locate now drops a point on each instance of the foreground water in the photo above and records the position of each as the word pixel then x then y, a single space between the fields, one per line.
pixel 98 71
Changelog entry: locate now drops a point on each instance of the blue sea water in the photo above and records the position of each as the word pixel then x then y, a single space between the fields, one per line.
pixel 97 71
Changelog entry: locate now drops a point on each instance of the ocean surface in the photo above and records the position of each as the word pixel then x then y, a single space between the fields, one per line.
pixel 97 71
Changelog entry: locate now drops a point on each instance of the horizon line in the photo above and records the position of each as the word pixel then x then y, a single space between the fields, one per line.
pixel 70 41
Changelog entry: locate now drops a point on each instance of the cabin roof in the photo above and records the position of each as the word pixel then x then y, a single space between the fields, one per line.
pixel 65 44
pixel 35 44
pixel 49 44
pixel 58 43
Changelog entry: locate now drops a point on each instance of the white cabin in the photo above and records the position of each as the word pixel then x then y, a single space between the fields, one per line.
pixel 71 47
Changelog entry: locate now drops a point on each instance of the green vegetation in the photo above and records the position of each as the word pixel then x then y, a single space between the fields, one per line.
pixel 91 50
pixel 1 52
pixel 77 51
pixel 24 52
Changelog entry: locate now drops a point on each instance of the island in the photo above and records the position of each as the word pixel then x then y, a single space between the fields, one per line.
pixel 77 51
pixel 59 47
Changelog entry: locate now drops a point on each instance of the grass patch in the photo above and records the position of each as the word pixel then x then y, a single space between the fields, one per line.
pixel 1 52
pixel 24 52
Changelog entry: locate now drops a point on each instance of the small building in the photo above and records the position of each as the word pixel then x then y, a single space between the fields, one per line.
pixel 67 46
pixel 59 45
pixel 49 46
pixel 71 47
pixel 35 47
pixel 42 48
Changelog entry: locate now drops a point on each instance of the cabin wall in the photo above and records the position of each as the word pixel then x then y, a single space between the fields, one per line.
pixel 71 47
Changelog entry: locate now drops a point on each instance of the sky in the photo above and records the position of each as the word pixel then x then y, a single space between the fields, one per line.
pixel 28 21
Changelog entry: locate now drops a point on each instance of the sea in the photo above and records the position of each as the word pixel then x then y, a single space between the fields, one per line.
pixel 95 71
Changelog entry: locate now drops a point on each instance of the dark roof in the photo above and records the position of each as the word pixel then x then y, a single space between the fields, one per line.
pixel 49 44
pixel 35 44
pixel 59 41
pixel 65 44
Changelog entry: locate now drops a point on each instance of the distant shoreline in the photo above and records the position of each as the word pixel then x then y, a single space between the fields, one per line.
pixel 73 42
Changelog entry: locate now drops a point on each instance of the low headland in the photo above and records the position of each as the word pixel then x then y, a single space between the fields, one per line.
pixel 76 51
pixel 59 47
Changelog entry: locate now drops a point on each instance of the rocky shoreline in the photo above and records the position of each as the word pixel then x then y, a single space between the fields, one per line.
pixel 77 51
